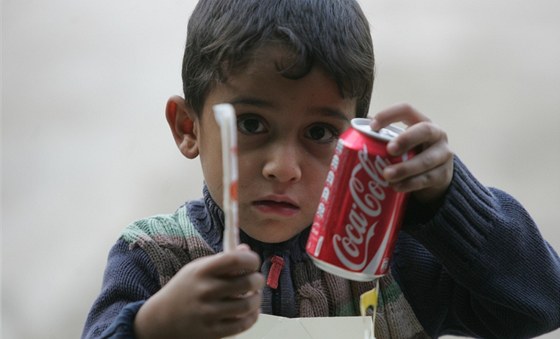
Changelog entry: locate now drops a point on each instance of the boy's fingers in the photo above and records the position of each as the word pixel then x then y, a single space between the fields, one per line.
pixel 243 247
pixel 421 134
pixel 236 287
pixel 398 113
pixel 240 306
pixel 226 264
pixel 224 289
pixel 434 178
pixel 431 158
pixel 230 307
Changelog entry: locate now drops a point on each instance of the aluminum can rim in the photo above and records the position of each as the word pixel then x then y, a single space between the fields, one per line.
pixel 386 133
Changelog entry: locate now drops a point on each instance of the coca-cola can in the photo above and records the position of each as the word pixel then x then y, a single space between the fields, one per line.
pixel 356 224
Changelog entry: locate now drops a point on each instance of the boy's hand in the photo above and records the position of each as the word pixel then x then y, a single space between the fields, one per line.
pixel 212 297
pixel 429 173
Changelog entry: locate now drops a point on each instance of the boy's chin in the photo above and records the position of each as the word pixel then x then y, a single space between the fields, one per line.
pixel 271 238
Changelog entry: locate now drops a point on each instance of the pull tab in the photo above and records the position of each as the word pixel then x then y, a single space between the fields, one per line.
pixel 277 263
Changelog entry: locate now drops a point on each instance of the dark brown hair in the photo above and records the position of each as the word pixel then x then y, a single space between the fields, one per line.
pixel 335 34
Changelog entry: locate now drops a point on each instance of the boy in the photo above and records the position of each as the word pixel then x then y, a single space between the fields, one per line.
pixel 297 72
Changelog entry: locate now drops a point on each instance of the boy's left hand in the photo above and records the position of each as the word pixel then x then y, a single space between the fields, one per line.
pixel 428 174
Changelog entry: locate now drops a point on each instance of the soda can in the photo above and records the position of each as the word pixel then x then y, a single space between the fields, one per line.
pixel 356 224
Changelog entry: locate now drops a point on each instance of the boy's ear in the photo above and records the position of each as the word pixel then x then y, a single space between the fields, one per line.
pixel 180 118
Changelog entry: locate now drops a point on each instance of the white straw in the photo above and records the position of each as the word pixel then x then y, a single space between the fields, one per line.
pixel 225 116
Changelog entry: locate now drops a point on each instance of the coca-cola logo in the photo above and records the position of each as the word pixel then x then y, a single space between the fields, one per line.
pixel 367 188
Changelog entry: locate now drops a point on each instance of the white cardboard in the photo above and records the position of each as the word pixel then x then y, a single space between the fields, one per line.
pixel 273 327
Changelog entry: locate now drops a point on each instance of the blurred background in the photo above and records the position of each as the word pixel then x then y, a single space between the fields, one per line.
pixel 86 149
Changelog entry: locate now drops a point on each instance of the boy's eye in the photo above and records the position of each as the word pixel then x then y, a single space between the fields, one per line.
pixel 250 125
pixel 322 133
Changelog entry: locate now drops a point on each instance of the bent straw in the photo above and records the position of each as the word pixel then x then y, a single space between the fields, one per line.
pixel 225 116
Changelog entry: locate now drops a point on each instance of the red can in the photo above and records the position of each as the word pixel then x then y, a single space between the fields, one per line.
pixel 357 221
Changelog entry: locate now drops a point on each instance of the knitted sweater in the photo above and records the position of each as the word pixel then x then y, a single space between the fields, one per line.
pixel 477 267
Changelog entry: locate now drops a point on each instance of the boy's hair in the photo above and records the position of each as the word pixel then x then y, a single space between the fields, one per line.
pixel 223 34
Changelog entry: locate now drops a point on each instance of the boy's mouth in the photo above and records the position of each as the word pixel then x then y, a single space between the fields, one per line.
pixel 284 207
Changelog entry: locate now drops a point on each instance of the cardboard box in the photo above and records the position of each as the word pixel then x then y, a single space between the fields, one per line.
pixel 273 327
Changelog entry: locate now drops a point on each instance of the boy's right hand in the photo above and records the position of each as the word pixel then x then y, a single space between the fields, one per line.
pixel 212 297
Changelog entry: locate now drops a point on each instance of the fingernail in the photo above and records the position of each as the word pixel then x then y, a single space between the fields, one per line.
pixel 388 173
pixel 393 148
pixel 375 125
pixel 243 247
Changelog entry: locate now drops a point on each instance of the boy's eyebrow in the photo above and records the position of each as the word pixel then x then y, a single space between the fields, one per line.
pixel 330 112
pixel 251 101
pixel 327 111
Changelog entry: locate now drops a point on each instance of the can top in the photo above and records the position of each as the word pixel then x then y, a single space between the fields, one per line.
pixel 387 133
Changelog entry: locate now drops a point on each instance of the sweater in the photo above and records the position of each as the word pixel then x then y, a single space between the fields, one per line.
pixel 477 267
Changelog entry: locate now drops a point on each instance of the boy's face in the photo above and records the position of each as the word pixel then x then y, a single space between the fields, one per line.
pixel 287 131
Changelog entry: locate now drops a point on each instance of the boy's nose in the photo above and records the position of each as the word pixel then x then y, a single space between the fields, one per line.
pixel 282 164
